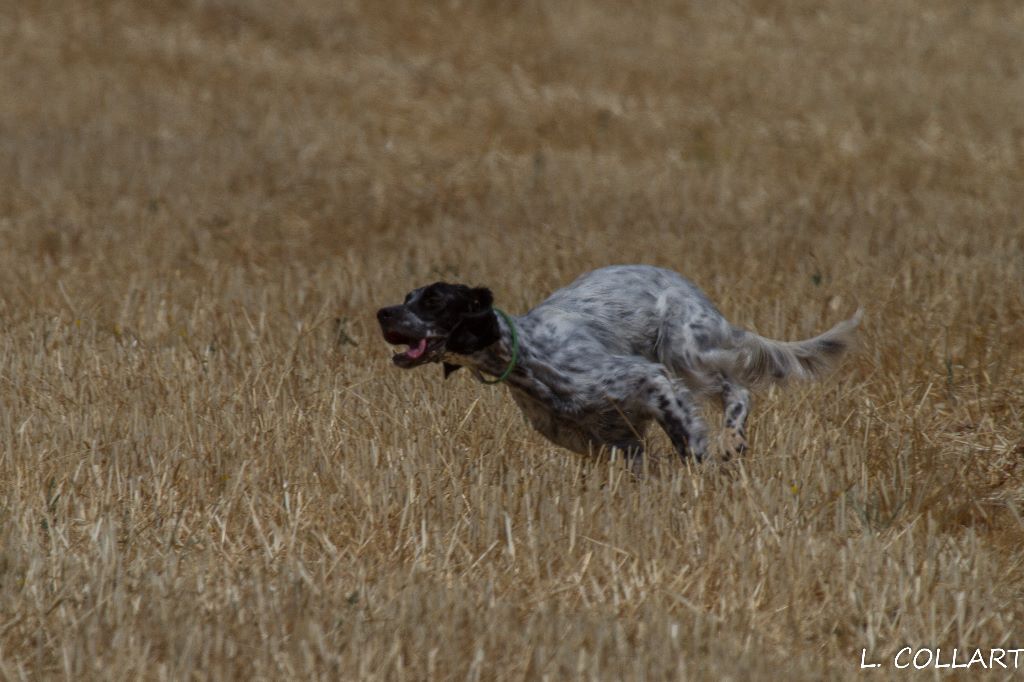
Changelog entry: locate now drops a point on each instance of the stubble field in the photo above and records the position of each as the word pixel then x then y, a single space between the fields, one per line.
pixel 209 468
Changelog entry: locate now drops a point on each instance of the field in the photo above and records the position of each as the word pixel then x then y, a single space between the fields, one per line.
pixel 210 469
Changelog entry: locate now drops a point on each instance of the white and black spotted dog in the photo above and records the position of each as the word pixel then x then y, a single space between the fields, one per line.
pixel 597 361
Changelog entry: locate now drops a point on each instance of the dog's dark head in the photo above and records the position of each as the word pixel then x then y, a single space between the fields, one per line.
pixel 437 319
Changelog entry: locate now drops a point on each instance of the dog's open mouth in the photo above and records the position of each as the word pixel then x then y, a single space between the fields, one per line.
pixel 420 350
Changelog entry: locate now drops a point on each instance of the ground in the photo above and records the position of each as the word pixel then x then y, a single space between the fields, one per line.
pixel 210 468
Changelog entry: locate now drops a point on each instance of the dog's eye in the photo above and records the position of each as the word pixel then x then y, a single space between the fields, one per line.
pixel 432 301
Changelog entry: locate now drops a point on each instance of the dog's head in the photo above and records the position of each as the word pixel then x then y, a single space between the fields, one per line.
pixel 437 319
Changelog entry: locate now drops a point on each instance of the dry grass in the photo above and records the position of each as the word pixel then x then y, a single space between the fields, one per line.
pixel 205 476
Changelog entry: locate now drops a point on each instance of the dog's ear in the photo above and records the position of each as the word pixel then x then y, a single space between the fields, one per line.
pixel 449 368
pixel 474 332
pixel 481 299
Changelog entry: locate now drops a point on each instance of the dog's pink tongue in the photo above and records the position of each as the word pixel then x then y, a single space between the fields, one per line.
pixel 419 350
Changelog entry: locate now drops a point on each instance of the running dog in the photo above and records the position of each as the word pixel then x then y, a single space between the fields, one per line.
pixel 621 346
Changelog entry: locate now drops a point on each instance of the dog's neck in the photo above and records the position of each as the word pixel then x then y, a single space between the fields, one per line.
pixel 496 358
pixel 529 374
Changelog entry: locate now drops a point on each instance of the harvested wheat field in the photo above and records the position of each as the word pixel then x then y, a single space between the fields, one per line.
pixel 211 469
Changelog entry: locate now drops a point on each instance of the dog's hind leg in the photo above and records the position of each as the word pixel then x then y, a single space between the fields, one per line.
pixel 736 405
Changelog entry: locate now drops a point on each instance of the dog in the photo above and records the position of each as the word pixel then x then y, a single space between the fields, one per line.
pixel 600 359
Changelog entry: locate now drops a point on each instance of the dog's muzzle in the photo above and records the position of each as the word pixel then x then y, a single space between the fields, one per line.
pixel 399 329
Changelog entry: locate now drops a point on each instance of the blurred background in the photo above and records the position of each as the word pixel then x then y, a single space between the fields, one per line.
pixel 744 143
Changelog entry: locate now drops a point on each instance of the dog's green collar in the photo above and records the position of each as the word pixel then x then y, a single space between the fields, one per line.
pixel 515 351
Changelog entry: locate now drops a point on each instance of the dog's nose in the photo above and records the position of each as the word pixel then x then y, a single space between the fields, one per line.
pixel 385 314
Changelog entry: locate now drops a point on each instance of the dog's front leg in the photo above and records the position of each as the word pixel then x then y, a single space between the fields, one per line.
pixel 678 414
pixel 644 388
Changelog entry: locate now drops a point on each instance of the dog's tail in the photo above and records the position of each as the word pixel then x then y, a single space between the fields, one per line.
pixel 756 360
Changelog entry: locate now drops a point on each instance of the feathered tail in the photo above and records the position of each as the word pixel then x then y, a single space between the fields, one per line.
pixel 757 360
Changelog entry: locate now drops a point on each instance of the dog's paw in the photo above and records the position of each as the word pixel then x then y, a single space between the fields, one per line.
pixel 734 443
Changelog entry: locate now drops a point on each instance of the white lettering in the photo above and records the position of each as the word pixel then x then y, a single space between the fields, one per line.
pixel 927 662
pixel 896 661
pixel 976 656
pixel 938 655
pixel 863 652
pixel 992 660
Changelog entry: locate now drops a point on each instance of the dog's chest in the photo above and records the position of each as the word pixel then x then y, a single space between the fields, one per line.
pixel 565 432
pixel 583 433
